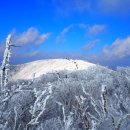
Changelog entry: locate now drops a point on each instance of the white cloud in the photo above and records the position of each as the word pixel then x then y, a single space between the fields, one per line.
pixel 34 53
pixel 106 7
pixel 66 7
pixel 120 48
pixel 96 29
pixel 31 36
pixel 27 40
pixel 114 6
pixel 82 5
pixel 90 45
pixel 91 30
pixel 61 36
pixel 65 30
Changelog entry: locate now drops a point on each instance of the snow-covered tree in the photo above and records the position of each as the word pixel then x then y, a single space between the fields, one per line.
pixel 93 99
pixel 5 63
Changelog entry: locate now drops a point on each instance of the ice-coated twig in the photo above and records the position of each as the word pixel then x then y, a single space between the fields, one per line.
pixel 104 100
pixel 15 118
pixel 93 102
pixel 36 105
pixel 64 117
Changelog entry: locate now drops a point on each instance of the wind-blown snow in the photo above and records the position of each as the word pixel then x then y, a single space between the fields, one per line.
pixel 38 68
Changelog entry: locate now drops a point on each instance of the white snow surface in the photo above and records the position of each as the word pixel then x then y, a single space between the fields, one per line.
pixel 41 67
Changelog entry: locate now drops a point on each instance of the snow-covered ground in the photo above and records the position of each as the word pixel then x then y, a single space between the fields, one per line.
pixel 95 99
pixel 41 67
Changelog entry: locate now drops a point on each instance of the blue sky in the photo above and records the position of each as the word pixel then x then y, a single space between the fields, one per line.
pixel 93 30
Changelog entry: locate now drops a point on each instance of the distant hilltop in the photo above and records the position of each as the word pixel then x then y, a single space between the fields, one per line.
pixel 38 68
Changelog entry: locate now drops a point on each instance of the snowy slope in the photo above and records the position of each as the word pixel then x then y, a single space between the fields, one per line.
pixel 26 71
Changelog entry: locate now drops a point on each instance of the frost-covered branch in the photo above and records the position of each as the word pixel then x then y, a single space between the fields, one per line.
pixel 81 109
pixel 104 100
pixel 40 105
pixel 94 120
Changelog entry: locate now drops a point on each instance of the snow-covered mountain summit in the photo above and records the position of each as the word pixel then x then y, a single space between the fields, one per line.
pixel 26 71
